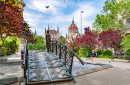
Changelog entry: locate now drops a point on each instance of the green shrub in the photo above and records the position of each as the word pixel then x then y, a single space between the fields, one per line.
pixel 3 51
pixel 99 52
pixel 127 52
pixel 10 46
pixel 103 56
pixel 82 52
pixel 88 50
pixel 30 46
pixel 107 53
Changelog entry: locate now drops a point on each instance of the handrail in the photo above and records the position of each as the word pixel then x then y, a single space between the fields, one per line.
pixel 65 54
pixel 82 62
pixel 25 61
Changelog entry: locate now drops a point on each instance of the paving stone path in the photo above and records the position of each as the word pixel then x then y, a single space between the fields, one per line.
pixel 117 75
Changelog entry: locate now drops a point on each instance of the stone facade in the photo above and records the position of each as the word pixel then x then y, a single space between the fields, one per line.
pixel 21 5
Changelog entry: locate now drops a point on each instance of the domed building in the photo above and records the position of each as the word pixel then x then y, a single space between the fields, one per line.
pixel 72 31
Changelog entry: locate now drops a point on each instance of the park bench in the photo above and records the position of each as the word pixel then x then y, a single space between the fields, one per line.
pixel 120 57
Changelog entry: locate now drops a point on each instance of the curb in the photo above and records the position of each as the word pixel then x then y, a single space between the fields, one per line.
pixel 91 70
pixel 10 80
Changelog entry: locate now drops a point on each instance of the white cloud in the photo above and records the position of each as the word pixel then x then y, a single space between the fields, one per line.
pixel 57 17
pixel 32 18
pixel 89 11
pixel 39 5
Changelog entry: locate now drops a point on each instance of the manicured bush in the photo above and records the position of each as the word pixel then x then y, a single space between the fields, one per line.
pixel 99 52
pixel 107 52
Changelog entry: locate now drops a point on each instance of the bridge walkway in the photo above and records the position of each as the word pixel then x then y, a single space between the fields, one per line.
pixel 46 67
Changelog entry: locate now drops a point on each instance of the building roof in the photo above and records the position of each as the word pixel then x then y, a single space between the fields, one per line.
pixel 73 27
pixel 53 32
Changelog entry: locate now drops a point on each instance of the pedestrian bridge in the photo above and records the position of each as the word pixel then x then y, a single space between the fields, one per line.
pixel 45 67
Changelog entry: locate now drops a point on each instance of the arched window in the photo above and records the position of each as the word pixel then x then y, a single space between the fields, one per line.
pixel 127 22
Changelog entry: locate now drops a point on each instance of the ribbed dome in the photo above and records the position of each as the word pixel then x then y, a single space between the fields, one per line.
pixel 73 27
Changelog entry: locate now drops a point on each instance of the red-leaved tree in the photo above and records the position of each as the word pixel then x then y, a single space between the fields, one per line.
pixel 72 44
pixel 110 38
pixel 11 20
pixel 27 34
pixel 90 39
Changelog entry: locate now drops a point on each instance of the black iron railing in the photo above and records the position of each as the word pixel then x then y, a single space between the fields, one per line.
pixel 65 54
pixel 24 54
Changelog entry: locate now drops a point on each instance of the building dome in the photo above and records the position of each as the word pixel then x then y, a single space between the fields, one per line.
pixel 73 27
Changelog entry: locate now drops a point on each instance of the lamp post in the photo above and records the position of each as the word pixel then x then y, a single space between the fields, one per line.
pixel 81 21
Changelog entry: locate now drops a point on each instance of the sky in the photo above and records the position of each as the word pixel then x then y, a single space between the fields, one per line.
pixel 60 13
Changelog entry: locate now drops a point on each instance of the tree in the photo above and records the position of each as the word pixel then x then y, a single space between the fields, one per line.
pixel 73 44
pixel 109 17
pixel 27 34
pixel 110 39
pixel 10 19
pixel 126 43
pixel 89 40
pixel 61 39
pixel 38 45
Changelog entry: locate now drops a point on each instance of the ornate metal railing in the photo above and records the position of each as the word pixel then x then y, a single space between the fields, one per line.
pixel 65 54
pixel 24 54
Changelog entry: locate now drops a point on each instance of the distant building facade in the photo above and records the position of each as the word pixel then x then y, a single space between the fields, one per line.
pixel 126 22
pixel 54 34
pixel 72 32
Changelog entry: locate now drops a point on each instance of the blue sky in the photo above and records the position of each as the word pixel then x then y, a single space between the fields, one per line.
pixel 61 14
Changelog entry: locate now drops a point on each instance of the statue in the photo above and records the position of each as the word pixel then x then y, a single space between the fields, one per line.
pixel 48 40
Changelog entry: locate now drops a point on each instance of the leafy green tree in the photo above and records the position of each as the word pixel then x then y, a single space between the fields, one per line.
pixel 38 45
pixel 30 46
pixel 61 39
pixel 126 43
pixel 109 17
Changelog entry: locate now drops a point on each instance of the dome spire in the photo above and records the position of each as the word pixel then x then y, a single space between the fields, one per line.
pixel 35 32
pixel 45 28
pixel 73 21
pixel 48 27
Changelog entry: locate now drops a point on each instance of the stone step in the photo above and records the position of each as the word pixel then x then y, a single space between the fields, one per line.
pixel 11 74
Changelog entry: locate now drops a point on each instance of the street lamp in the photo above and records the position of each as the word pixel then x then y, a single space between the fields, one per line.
pixel 81 21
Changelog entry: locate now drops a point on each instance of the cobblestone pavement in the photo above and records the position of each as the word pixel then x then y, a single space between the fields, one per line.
pixel 117 75
pixel 111 76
